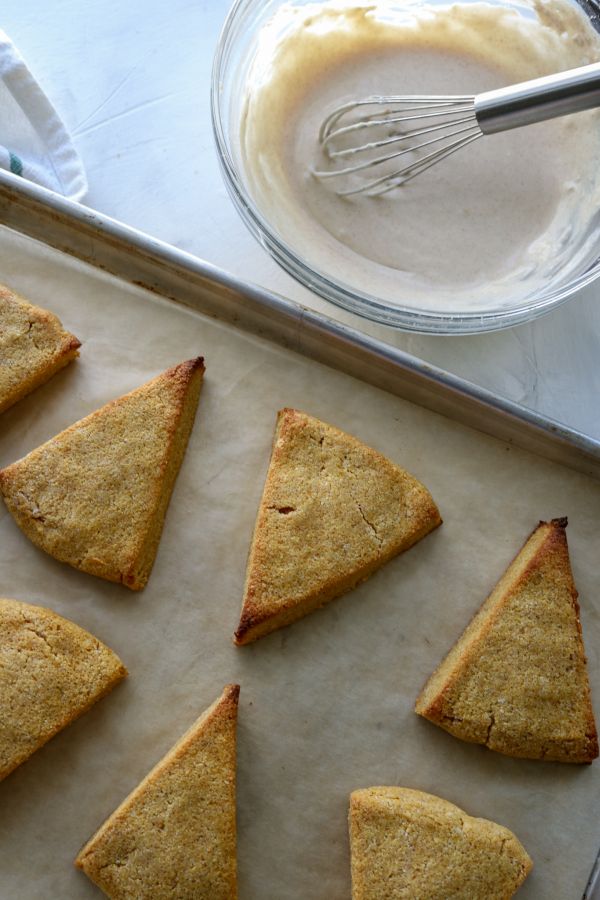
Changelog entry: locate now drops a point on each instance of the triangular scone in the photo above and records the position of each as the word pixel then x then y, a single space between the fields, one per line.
pixel 407 845
pixel 517 680
pixel 51 671
pixel 175 834
pixel 33 346
pixel 95 496
pixel 332 512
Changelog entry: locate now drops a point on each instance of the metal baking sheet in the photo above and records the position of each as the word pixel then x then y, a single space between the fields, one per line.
pixel 141 259
pixel 326 705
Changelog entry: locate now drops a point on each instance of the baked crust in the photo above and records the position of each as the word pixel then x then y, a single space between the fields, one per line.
pixel 96 495
pixel 51 671
pixel 33 347
pixel 332 512
pixel 175 834
pixel 516 680
pixel 408 845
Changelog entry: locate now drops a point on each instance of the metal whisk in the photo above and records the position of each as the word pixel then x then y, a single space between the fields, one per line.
pixel 421 131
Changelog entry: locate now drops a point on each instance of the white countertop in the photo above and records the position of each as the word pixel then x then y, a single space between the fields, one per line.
pixel 131 81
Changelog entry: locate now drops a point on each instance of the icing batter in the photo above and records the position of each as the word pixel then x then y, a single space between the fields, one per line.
pixel 486 227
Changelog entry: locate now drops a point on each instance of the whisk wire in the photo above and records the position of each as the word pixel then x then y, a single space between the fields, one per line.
pixel 371 163
pixel 395 179
pixel 397 138
pixel 391 119
pixel 413 123
pixel 378 100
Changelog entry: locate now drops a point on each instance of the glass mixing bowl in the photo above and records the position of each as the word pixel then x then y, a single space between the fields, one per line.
pixel 233 59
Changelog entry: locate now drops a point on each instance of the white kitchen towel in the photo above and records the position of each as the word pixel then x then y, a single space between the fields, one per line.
pixel 34 142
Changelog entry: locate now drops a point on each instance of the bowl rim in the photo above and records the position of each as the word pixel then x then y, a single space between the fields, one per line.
pixel 411 319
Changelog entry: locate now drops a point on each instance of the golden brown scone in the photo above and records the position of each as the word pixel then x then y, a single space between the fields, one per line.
pixel 33 347
pixel 95 496
pixel 407 845
pixel 174 836
pixel 51 671
pixel 332 512
pixel 517 680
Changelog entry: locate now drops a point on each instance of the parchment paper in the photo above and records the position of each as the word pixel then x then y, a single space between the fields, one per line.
pixel 327 704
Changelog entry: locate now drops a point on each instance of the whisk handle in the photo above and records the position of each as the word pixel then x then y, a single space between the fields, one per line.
pixel 540 99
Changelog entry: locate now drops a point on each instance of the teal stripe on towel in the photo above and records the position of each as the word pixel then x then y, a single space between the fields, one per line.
pixel 16 165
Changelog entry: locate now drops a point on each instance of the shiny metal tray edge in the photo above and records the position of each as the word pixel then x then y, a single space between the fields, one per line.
pixel 143 260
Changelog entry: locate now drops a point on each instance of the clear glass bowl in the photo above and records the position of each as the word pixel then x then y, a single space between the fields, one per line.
pixel 233 58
